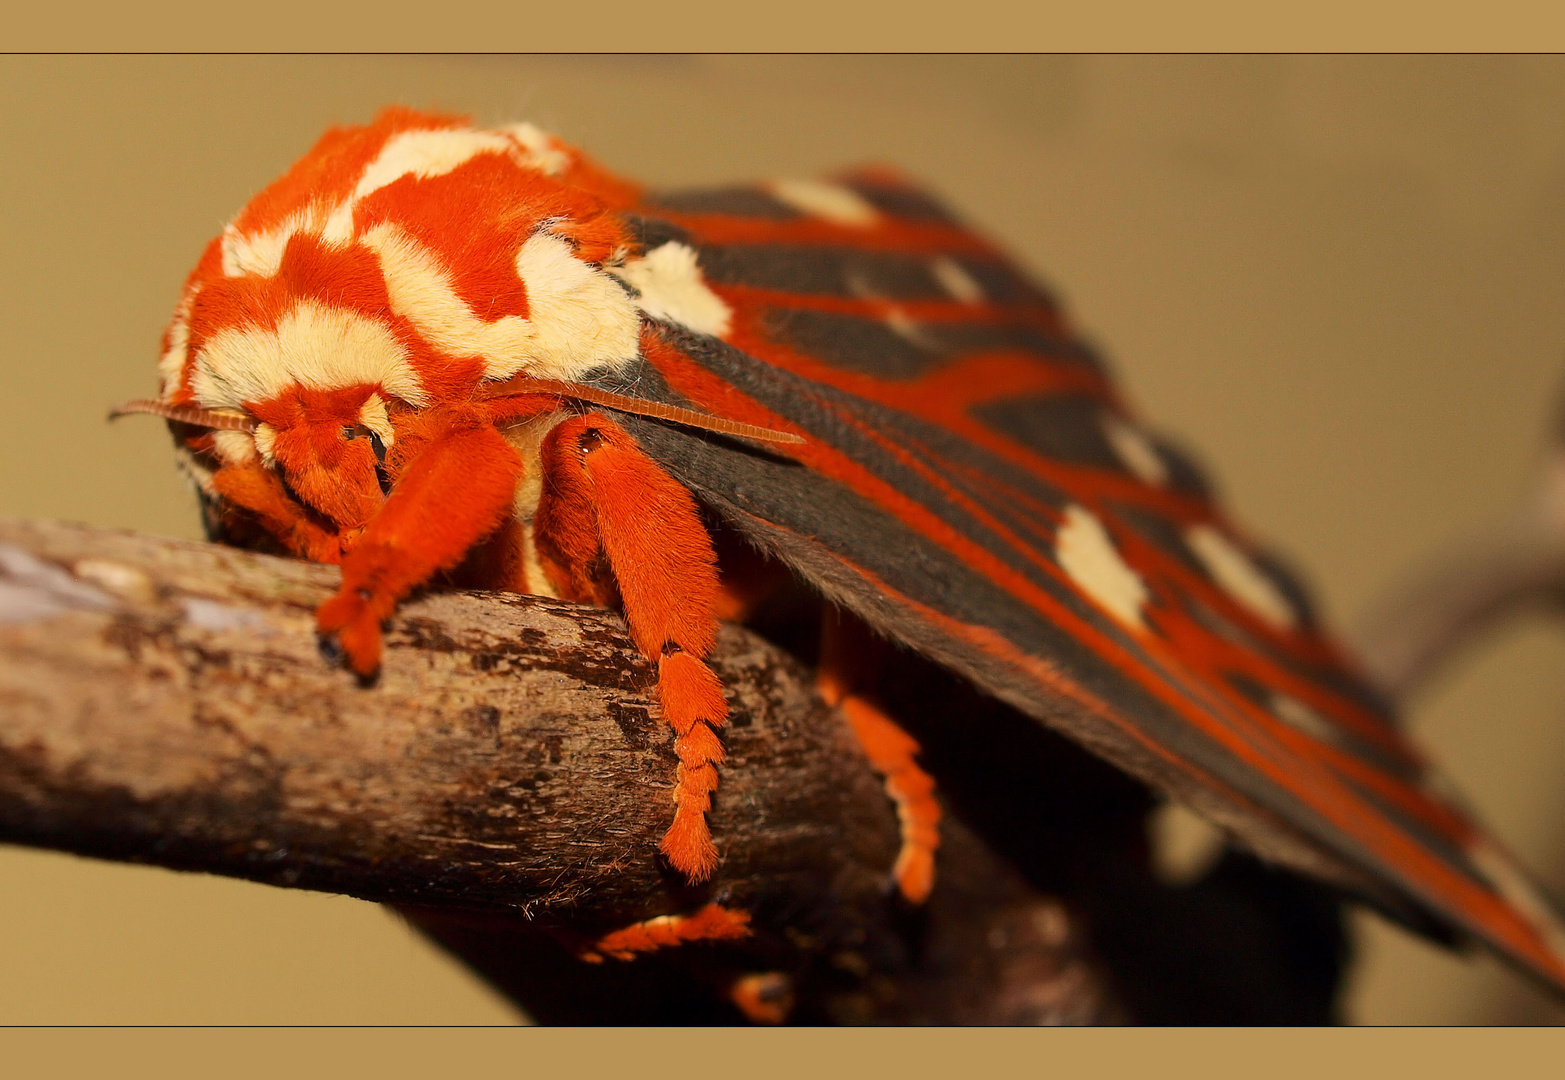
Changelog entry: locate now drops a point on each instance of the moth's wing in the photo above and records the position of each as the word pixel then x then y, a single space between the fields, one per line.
pixel 973 486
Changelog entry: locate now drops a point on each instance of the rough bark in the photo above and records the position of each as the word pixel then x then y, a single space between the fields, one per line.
pixel 505 781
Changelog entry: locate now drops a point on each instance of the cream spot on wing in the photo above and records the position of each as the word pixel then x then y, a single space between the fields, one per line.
pixel 316 346
pixel 540 150
pixel 1240 578
pixel 673 290
pixel 171 365
pixel 1511 883
pixel 1134 449
pixel 1296 714
pixel 903 325
pixel 957 281
pixel 1184 845
pixel 580 318
pixel 835 203
pixel 1085 551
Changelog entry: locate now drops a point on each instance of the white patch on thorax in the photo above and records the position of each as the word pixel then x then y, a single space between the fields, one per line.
pixel 1134 449
pixel 171 365
pixel 579 318
pixel 835 203
pixel 527 439
pixel 1511 883
pixel 427 153
pixel 1085 551
pixel 540 150
pixel 1239 577
pixel 261 254
pixel 673 290
pixel 423 154
pixel 315 346
pixel 957 281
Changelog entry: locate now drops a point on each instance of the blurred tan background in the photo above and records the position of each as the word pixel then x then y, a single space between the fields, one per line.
pixel 1341 279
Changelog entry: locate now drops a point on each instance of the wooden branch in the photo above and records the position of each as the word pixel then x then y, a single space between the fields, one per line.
pixel 504 781
pixel 1514 566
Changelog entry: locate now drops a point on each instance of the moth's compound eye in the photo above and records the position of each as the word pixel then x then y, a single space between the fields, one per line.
pixel 589 440
pixel 350 432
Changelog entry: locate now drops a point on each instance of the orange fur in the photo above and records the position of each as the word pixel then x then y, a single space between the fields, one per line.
pixel 605 500
pixel 254 487
pixel 456 492
pixel 891 751
pixel 498 563
pixel 335 476
pixel 712 923
pixel 565 527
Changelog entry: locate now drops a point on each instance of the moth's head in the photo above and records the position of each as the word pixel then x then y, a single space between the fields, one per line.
pixel 329 447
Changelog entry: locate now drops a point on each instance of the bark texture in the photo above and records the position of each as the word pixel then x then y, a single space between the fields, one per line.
pixel 505 781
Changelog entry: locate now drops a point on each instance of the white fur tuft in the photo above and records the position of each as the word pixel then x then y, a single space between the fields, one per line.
pixel 673 290
pixel 580 318
pixel 540 150
pixel 427 153
pixel 315 346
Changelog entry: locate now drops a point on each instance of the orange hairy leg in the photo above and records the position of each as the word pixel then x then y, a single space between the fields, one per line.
pixel 254 487
pixel 607 505
pixel 454 493
pixel 847 668
pixel 712 923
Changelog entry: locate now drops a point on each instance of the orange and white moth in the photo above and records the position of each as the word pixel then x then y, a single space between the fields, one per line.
pixel 430 345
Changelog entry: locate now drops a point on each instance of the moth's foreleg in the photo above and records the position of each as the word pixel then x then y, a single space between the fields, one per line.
pixel 602 494
pixel 257 489
pixel 846 671
pixel 454 493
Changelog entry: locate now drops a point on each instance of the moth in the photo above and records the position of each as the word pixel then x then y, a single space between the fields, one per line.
pixel 432 348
